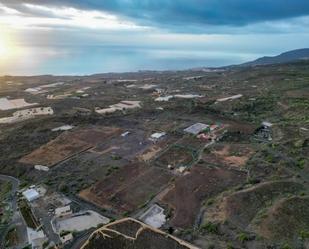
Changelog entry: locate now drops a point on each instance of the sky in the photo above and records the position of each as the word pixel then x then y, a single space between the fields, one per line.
pixel 78 37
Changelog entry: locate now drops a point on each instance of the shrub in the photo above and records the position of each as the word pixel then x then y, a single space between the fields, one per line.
pixel 301 163
pixel 100 225
pixel 211 227
pixel 45 244
pixel 116 157
pixel 63 233
pixel 210 202
pixel 243 237
pixel 304 234
pixel 229 246
pixel 286 246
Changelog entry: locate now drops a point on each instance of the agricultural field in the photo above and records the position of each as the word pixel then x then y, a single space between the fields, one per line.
pixel 127 188
pixel 129 233
pixel 176 156
pixel 128 147
pixel 67 145
pixel 234 154
pixel 241 185
pixel 201 184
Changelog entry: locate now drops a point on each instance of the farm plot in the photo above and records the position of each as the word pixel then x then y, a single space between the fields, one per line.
pixel 96 135
pixel 129 233
pixel 176 156
pixel 83 170
pixel 240 127
pixel 128 188
pixel 151 152
pixel 191 142
pixel 67 145
pixel 235 155
pixel 192 189
pixel 127 147
pixel 6 104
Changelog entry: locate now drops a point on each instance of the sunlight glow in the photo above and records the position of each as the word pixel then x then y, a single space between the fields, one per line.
pixel 4 45
pixel 9 51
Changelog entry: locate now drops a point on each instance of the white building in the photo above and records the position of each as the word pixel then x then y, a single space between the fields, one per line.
pixel 41 168
pixel 36 238
pixel 267 124
pixel 125 134
pixel 31 194
pixel 154 216
pixel 63 211
pixel 66 238
pixel 157 135
pixel 230 98
pixel 63 128
pixel 196 128
pixel 166 98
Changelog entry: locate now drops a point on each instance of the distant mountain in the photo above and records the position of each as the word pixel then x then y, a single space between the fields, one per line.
pixel 290 56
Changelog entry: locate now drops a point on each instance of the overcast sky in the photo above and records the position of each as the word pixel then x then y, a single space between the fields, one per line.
pixel 92 36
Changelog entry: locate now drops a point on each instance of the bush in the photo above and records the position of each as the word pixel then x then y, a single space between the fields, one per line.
pixel 211 228
pixel 63 188
pixel 243 237
pixel 116 157
pixel 111 169
pixel 304 234
pixel 45 244
pixel 63 233
pixel 210 202
pixel 301 163
pixel 286 246
pixel 252 180
pixel 125 214
pixel 229 246
pixel 100 225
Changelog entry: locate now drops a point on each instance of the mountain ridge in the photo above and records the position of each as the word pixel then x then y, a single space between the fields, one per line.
pixel 289 56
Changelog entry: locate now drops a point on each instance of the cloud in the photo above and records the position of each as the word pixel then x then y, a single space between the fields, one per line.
pixel 39 16
pixel 169 13
pixel 179 16
pixel 88 36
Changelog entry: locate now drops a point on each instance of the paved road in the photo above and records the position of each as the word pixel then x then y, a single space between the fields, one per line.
pixel 49 231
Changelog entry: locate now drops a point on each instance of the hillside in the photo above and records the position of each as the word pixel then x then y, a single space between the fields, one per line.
pixel 290 56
